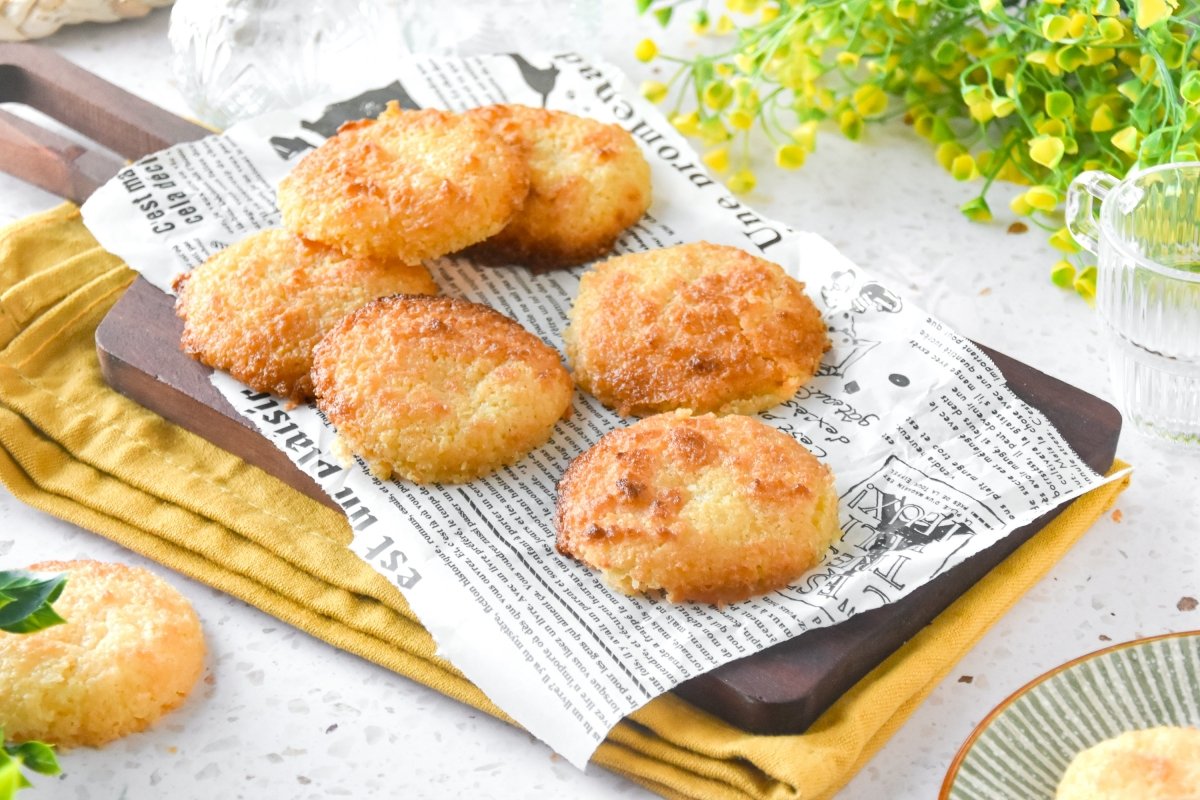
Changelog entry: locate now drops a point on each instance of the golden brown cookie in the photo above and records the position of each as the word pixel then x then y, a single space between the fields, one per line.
pixel 411 185
pixel 588 181
pixel 1153 764
pixel 709 509
pixel 438 389
pixel 257 308
pixel 699 326
pixel 130 651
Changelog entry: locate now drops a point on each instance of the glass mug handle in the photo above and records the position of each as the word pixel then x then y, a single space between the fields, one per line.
pixel 1081 220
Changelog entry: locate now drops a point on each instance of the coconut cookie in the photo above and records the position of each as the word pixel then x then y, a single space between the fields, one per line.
pixel 438 389
pixel 1153 764
pixel 588 181
pixel 257 308
pixel 130 651
pixel 698 326
pixel 411 185
pixel 707 509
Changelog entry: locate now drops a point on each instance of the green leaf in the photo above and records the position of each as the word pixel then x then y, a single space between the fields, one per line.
pixel 663 15
pixel 642 5
pixel 11 778
pixel 44 617
pixel 29 609
pixel 38 756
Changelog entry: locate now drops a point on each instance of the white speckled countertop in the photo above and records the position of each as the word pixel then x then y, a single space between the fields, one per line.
pixel 280 714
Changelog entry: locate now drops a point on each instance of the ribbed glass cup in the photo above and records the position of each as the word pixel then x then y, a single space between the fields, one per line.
pixel 235 59
pixel 1147 239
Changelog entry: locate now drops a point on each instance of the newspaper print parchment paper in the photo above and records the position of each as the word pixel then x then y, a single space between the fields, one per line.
pixel 935 458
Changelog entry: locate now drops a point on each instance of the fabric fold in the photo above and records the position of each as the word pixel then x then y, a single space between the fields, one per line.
pixel 73 447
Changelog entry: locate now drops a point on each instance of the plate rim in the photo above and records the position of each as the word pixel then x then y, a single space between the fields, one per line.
pixel 1002 706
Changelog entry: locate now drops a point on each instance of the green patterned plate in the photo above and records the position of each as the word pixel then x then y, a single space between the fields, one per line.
pixel 1021 749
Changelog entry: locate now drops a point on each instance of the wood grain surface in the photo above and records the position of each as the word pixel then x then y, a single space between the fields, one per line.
pixel 110 116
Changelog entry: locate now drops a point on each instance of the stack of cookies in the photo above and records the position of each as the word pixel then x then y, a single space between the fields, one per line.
pixel 338 308
pixel 698 502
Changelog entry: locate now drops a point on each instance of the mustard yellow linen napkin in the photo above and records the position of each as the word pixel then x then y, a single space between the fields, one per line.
pixel 73 447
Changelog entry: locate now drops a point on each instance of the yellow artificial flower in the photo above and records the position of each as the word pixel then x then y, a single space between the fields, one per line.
pixel 1042 198
pixel 963 168
pixel 654 91
pixel 741 120
pixel 1064 241
pixel 687 124
pixel 742 181
pixel 869 100
pixel 1046 150
pixel 1063 274
pixel 1152 12
pixel 976 210
pixel 717 160
pixel 1102 119
pixel 717 95
pixel 790 156
pixel 1127 140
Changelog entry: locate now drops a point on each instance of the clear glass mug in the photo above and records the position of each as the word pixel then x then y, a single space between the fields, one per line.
pixel 1146 237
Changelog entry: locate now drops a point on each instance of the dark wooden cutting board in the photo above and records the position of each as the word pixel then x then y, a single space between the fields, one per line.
pixel 780 690
pixel 777 691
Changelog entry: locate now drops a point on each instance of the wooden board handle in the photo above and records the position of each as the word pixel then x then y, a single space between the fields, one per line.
pixel 44 80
